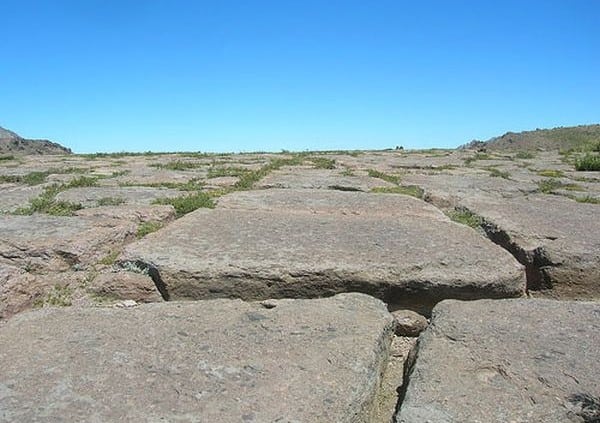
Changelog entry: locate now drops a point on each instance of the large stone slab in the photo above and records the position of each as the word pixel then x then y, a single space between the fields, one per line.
pixel 298 177
pixel 311 244
pixel 42 243
pixel 557 238
pixel 519 361
pixel 93 196
pixel 14 196
pixel 210 361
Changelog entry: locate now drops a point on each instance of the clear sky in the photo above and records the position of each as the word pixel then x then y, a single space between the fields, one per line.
pixel 137 75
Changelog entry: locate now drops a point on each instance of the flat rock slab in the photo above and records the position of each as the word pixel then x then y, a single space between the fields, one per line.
pixel 13 197
pixel 210 361
pixel 90 197
pixel 42 243
pixel 140 214
pixel 405 250
pixel 556 237
pixel 293 177
pixel 503 361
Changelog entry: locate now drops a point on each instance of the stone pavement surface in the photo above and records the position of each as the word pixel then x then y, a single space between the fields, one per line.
pixel 519 361
pixel 221 360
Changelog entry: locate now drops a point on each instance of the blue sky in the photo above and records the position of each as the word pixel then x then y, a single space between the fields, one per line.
pixel 225 75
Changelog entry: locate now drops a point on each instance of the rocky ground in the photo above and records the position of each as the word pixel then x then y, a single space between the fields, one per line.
pixel 292 287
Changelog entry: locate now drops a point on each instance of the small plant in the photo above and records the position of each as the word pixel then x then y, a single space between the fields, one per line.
pixel 588 199
pixel 551 173
pixel 110 201
pixel 46 203
pixel 323 163
pixel 110 258
pixel 6 158
pixel 81 182
pixel 394 179
pixel 146 228
pixel 497 173
pixel 589 162
pixel 178 165
pixel 188 203
pixel 347 172
pixel 546 186
pixel 60 296
pixel 216 172
pixel 412 190
pixel 477 156
pixel 524 155
pixel 118 173
pixel 466 217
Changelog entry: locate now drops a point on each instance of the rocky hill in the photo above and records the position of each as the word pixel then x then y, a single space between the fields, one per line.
pixel 12 143
pixel 583 137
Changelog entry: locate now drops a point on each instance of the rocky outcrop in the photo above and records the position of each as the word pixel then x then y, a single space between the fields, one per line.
pixel 11 143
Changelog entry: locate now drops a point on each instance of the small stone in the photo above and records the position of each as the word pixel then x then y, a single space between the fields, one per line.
pixel 409 323
pixel 126 304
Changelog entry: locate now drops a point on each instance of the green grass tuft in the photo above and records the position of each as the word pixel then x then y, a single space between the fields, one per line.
pixel 110 201
pixel 524 155
pixel 588 199
pixel 466 217
pixel 323 163
pixel 146 228
pixel 551 173
pixel 394 179
pixel 589 162
pixel 188 203
pixel 412 190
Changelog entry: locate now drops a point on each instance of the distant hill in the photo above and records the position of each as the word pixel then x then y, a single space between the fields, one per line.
pixel 12 143
pixel 562 138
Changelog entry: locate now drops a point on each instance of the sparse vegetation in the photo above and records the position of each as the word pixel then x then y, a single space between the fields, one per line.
pixel 588 162
pixel 60 296
pixel 6 158
pixel 110 258
pixel 394 179
pixel 323 162
pixel 82 182
pixel 146 228
pixel 477 156
pixel 588 199
pixel 46 203
pixel 466 217
pixel 217 172
pixel 524 155
pixel 188 203
pixel 347 172
pixel 547 186
pixel 110 201
pixel 551 173
pixel 497 173
pixel 178 165
pixel 412 190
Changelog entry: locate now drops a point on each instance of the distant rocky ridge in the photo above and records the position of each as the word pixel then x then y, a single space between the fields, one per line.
pixel 584 137
pixel 12 143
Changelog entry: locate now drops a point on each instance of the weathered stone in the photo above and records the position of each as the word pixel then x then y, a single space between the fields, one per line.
pixel 41 242
pixel 300 178
pixel 13 196
pixel 558 239
pixel 409 323
pixel 322 243
pixel 220 360
pixel 505 361
pixel 90 196
pixel 125 286
pixel 139 214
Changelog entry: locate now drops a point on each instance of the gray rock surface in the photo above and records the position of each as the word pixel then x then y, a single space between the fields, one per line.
pixel 522 361
pixel 301 178
pixel 557 238
pixel 322 243
pixel 89 197
pixel 13 197
pixel 409 323
pixel 125 286
pixel 214 361
pixel 140 214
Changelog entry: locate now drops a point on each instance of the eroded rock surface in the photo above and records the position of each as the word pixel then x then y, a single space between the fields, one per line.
pixel 503 361
pixel 220 360
pixel 259 245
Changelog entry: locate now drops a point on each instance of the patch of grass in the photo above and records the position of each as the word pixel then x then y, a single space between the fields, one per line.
pixel 466 217
pixel 146 228
pixel 347 172
pixel 497 173
pixel 177 165
pixel 589 162
pixel 6 158
pixel 551 173
pixel 82 182
pixel 248 179
pixel 118 173
pixel 110 258
pixel 394 179
pixel 188 203
pixel 477 156
pixel 218 171
pixel 546 186
pixel 323 163
pixel 46 203
pixel 412 190
pixel 110 201
pixel 60 296
pixel 588 199
pixel 524 155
